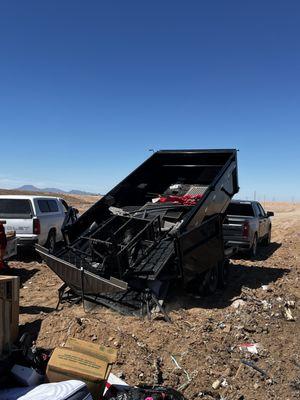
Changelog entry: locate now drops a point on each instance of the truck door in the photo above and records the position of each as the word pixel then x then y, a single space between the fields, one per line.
pixel 266 221
pixel 262 221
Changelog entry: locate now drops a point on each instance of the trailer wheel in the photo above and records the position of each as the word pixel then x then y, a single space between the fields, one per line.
pixel 211 279
pixel 223 274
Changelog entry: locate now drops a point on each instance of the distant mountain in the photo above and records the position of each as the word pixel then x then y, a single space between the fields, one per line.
pixel 32 188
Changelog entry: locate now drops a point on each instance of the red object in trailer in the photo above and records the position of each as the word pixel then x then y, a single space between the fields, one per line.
pixel 186 199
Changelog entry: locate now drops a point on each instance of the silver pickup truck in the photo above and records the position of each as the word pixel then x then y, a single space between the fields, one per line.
pixel 246 225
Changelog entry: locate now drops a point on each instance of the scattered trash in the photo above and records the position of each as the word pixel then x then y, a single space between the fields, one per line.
pixel 66 390
pixel 238 303
pixel 266 305
pixel 95 364
pixel 114 386
pixel 287 310
pixel 265 287
pixel 216 384
pixel 224 383
pixel 251 364
pixel 189 377
pixel 250 347
pixel 219 383
pixel 147 393
pixel 26 376
pixel 290 303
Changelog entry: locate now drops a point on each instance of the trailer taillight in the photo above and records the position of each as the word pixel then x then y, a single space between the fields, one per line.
pixel 246 229
pixel 36 226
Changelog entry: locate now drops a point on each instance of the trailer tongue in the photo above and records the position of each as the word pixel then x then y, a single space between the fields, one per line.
pixel 162 223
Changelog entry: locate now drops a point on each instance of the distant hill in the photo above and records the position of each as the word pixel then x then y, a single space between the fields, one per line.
pixel 32 188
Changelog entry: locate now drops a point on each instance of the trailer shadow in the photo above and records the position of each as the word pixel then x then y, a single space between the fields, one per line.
pixel 241 276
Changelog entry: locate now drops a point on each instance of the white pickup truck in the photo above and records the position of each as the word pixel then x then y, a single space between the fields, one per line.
pixel 35 219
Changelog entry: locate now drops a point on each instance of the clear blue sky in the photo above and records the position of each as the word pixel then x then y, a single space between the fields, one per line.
pixel 87 87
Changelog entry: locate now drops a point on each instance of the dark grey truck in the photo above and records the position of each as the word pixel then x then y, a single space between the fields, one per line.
pixel 247 225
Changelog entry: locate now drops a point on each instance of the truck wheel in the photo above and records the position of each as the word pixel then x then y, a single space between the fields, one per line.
pixel 51 241
pixel 267 239
pixel 211 280
pixel 253 249
pixel 223 274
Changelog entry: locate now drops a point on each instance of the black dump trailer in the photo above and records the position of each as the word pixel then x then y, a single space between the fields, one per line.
pixel 162 223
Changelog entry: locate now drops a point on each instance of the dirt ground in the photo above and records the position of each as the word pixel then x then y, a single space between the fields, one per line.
pixel 202 345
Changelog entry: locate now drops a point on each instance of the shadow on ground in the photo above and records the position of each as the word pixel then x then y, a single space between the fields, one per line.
pixel 35 310
pixel 32 328
pixel 27 255
pixel 23 273
pixel 263 253
pixel 241 276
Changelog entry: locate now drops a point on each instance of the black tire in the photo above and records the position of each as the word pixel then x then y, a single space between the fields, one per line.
pixel 211 280
pixel 268 238
pixel 223 274
pixel 51 241
pixel 253 249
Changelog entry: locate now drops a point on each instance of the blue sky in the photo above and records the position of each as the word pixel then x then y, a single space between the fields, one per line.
pixel 86 88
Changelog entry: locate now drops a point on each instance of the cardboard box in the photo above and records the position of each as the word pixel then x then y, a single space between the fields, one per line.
pixel 9 312
pixel 104 353
pixel 66 364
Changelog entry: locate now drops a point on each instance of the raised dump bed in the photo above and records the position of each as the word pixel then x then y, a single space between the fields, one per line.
pixel 162 223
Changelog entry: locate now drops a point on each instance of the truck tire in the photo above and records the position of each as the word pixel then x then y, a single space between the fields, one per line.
pixel 267 239
pixel 253 249
pixel 223 274
pixel 211 279
pixel 51 241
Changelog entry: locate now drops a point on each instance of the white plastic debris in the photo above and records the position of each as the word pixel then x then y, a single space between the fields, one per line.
pixel 224 383
pixel 287 311
pixel 250 347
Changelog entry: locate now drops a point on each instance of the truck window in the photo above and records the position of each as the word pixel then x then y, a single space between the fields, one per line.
pixel 43 206
pixel 52 206
pixel 15 208
pixel 65 205
pixel 244 209
pixel 261 210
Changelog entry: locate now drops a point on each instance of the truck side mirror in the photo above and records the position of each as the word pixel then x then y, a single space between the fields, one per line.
pixel 270 214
